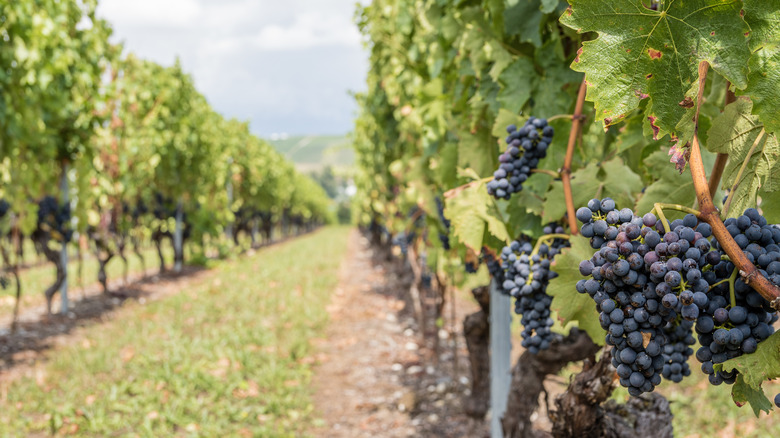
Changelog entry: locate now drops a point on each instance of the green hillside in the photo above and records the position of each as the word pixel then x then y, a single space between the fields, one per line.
pixel 312 152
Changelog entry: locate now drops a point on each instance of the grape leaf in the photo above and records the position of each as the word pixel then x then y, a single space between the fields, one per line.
pixel 670 187
pixel 505 118
pixel 524 19
pixel 612 179
pixel 762 365
pixel 515 84
pixel 770 210
pixel 472 211
pixel 642 53
pixel 764 76
pixel 477 151
pixel 463 211
pixel 587 182
pixel 734 133
pixel 743 393
pixel 569 304
pixel 549 6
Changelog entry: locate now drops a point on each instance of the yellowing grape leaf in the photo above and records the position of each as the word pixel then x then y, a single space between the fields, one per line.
pixel 764 78
pixel 470 209
pixel 641 53
pixel 734 133
pixel 569 304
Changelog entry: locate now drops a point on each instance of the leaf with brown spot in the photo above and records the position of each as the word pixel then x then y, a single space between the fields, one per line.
pixel 636 44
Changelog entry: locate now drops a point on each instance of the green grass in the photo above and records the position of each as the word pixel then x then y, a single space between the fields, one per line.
pixel 703 410
pixel 224 357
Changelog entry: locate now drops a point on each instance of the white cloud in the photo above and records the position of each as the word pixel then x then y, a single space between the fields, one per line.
pixel 169 13
pixel 307 31
pixel 285 65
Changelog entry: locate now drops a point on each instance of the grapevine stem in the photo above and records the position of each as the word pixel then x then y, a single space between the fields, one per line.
pixel 552 173
pixel 718 284
pixel 741 170
pixel 659 211
pixel 732 279
pixel 559 116
pixel 542 240
pixel 678 207
pixel 452 192
pixel 576 127
pixel 546 238
pixel 710 215
pixel 720 161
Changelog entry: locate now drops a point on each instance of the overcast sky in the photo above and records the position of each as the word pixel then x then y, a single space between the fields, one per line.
pixel 284 65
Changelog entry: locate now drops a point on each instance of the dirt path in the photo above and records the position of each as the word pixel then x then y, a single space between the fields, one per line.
pixel 374 377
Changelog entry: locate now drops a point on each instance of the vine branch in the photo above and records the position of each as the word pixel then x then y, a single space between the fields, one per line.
pixel 710 215
pixel 576 127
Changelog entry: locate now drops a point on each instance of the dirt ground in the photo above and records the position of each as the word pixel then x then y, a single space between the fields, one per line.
pixel 375 376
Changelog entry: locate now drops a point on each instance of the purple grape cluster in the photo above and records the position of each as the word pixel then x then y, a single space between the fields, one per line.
pixel 650 286
pixel 525 148
pixel 727 330
pixel 526 276
pixel 647 284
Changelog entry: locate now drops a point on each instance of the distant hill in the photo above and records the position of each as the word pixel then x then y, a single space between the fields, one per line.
pixel 313 152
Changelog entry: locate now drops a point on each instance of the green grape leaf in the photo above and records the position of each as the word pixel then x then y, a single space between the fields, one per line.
pixel 504 119
pixel 670 187
pixel 524 19
pixel 477 151
pixel 611 179
pixel 764 66
pixel 515 85
pixel 770 210
pixel 549 6
pixel 734 133
pixel 472 211
pixel 620 182
pixel 762 365
pixel 587 182
pixel 569 304
pixel 642 53
pixel 743 393
pixel 463 212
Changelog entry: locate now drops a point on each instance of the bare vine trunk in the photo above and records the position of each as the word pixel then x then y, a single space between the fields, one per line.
pixel 137 250
pixel 581 410
pixel 528 378
pixel 476 330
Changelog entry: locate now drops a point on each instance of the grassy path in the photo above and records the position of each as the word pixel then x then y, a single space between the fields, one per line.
pixel 226 356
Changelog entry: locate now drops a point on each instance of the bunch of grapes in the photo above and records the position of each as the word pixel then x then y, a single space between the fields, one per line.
pixel 54 217
pixel 4 207
pixel 526 276
pixel 494 266
pixel 729 329
pixel 647 285
pixel 444 237
pixel 525 148
pixel 402 241
pixel 651 286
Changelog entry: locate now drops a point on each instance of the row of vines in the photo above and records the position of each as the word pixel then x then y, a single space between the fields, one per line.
pixel 100 146
pixel 615 165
